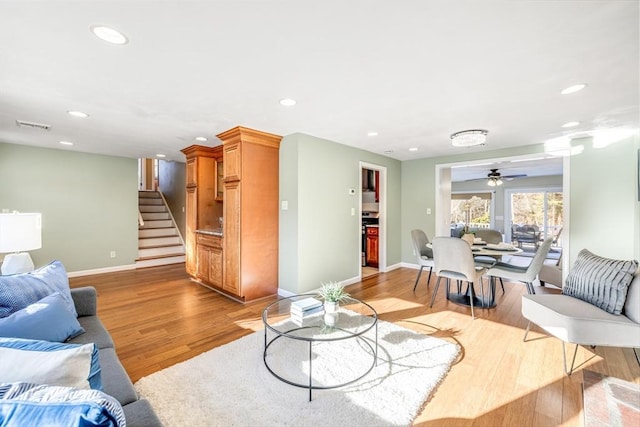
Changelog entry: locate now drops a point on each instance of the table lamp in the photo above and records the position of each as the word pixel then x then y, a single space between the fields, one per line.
pixel 19 232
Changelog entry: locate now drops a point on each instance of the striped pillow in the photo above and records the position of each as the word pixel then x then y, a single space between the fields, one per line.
pixel 600 281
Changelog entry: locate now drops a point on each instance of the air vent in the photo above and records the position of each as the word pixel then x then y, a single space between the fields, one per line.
pixel 33 125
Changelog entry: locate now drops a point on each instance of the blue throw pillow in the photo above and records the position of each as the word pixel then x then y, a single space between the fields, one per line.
pixel 24 404
pixel 48 319
pixel 20 290
pixel 46 352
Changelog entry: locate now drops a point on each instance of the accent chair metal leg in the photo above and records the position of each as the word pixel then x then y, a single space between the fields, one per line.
pixel 429 278
pixel 502 285
pixel 564 358
pixel 527 331
pixel 418 278
pixel 435 291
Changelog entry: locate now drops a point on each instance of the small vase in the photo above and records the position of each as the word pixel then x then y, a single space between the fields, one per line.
pixel 330 319
pixel 330 306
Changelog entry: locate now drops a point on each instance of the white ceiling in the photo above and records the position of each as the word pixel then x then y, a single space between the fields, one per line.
pixel 413 71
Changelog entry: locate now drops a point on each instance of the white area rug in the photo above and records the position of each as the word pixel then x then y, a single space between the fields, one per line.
pixel 230 385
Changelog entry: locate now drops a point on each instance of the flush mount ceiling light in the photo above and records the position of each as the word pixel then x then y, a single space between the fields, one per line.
pixel 573 89
pixel 161 156
pixel 372 133
pixel 66 143
pixel 288 102
pixel 469 138
pixel 200 138
pixel 570 124
pixel 413 149
pixel 78 114
pixel 109 35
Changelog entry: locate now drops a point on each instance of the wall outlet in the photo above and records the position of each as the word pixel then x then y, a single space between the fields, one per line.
pixel 428 211
pixel 112 254
pixel 285 205
pixel 353 211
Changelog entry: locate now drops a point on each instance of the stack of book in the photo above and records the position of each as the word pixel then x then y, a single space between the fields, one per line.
pixel 304 308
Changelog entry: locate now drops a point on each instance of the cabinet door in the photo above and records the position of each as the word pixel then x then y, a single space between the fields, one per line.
pixel 231 242
pixel 190 237
pixel 219 180
pixel 215 271
pixel 192 172
pixel 232 162
pixel 372 247
pixel 203 263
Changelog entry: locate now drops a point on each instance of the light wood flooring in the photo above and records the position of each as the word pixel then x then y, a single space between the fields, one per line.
pixel 158 317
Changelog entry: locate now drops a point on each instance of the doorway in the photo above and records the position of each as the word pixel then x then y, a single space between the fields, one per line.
pixel 372 230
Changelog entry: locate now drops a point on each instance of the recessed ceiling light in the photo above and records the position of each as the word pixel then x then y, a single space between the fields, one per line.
pixel 109 35
pixel 162 156
pixel 78 114
pixel 413 149
pixel 288 102
pixel 372 133
pixel 66 143
pixel 570 124
pixel 200 138
pixel 388 151
pixel 573 89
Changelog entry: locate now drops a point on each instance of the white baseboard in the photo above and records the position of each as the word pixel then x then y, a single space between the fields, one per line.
pixel 101 270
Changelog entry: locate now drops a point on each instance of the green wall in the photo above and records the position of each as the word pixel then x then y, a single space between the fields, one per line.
pixel 604 199
pixel 89 204
pixel 319 238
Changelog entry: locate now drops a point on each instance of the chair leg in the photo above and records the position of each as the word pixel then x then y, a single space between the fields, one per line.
pixel 435 291
pixel 429 278
pixel 564 358
pixel 471 295
pixel 527 331
pixel 530 288
pixel 418 278
pixel 502 285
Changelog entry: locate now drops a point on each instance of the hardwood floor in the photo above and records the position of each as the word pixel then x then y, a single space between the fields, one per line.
pixel 158 317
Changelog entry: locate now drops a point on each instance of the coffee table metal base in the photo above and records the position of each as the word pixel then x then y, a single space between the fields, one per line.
pixel 310 386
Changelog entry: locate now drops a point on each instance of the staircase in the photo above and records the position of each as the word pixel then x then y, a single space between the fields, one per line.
pixel 159 241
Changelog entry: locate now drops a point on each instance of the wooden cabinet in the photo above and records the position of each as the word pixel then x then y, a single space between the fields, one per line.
pixel 209 259
pixel 202 209
pixel 219 180
pixel 250 244
pixel 372 247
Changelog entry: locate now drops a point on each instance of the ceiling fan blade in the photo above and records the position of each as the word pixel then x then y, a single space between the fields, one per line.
pixel 522 175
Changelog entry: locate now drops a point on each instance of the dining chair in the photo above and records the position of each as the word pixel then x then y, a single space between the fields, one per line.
pixel 492 237
pixel 453 259
pixel 525 274
pixel 423 253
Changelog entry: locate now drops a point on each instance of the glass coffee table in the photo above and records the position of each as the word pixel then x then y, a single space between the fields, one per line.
pixel 294 348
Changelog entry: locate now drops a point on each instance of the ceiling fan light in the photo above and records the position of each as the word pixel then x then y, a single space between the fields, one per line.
pixel 469 138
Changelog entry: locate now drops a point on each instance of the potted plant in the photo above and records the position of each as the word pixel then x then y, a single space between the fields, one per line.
pixel 332 293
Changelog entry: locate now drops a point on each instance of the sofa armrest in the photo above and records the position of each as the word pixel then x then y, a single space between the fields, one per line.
pixel 85 300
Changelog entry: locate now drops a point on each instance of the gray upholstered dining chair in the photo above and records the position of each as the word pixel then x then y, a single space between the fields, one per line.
pixel 453 259
pixel 493 237
pixel 523 274
pixel 423 254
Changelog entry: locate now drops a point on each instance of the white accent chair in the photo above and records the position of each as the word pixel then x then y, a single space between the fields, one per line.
pixel 573 320
pixel 423 254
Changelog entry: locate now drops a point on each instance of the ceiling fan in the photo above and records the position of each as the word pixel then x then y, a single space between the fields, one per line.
pixel 495 178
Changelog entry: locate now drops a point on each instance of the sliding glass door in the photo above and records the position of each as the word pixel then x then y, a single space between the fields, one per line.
pixel 534 211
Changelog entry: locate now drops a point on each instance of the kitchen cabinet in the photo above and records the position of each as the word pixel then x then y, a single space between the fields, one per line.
pixel 202 209
pixel 250 212
pixel 209 259
pixel 372 247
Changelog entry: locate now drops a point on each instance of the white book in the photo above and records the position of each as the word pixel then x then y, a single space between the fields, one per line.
pixel 306 313
pixel 305 304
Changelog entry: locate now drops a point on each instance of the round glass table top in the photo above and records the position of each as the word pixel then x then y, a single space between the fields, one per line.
pixel 352 318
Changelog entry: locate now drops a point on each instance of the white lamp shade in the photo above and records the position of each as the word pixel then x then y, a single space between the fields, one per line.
pixel 20 232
